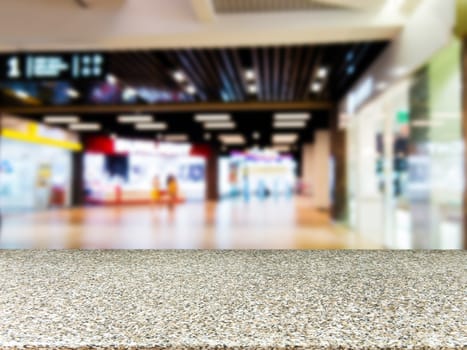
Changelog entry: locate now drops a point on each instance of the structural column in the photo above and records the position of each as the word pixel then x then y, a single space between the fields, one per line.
pixel 339 175
pixel 212 190
pixel 464 131
pixel 77 183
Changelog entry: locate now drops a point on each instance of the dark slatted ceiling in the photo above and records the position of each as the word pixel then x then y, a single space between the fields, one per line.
pixel 283 73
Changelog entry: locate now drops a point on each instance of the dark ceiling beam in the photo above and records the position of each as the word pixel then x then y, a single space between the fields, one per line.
pixel 304 76
pixel 296 67
pixel 318 57
pixel 276 73
pixel 241 72
pixel 336 75
pixel 225 81
pixel 185 107
pixel 163 73
pixel 286 73
pixel 266 74
pixel 171 58
pixel 231 74
pixel 149 70
pixel 209 85
pixel 259 76
pixel 215 85
pixel 192 73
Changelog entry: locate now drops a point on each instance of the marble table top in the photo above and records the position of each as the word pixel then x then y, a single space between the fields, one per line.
pixel 233 299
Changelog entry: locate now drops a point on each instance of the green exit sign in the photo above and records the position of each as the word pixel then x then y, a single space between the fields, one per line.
pixel 403 117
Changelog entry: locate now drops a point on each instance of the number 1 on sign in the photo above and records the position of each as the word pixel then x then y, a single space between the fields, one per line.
pixel 14 70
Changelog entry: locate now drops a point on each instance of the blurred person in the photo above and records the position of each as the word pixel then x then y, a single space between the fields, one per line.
pixel 156 191
pixel 246 186
pixel 172 191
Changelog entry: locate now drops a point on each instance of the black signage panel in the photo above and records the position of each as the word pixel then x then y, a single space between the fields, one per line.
pixel 52 66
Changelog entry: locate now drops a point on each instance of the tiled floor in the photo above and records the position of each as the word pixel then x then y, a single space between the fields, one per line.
pixel 282 224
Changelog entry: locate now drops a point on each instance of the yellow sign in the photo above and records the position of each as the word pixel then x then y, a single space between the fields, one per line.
pixel 30 132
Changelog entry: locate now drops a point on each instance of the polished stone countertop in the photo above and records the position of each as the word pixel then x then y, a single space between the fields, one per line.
pixel 233 299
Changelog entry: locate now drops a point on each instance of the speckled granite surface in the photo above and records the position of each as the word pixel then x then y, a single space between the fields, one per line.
pixel 233 299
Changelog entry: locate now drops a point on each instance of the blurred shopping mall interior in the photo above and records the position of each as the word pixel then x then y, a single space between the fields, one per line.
pixel 273 124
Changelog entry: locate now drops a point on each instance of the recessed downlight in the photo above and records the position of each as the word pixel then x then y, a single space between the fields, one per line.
pixel 252 88
pixel 249 74
pixel 72 93
pixel 151 126
pixel 21 94
pixel 284 138
pixel 212 117
pixel 316 87
pixel 85 126
pixel 111 79
pixel 232 139
pixel 179 76
pixel 135 118
pixel 289 124
pixel 291 116
pixel 176 137
pixel 219 125
pixel 61 119
pixel 322 72
pixel 281 148
pixel 191 89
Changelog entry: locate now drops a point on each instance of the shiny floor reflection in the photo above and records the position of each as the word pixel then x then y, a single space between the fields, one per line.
pixel 270 224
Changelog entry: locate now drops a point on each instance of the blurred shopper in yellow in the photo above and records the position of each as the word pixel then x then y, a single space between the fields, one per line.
pixel 156 192
pixel 172 191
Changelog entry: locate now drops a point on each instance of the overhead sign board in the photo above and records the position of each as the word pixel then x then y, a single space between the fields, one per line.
pixel 52 66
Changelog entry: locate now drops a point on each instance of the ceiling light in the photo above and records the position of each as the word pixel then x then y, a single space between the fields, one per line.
pixel 191 89
pixel 134 118
pixel 179 76
pixel 400 71
pixel 250 74
pixel 290 124
pixel 292 116
pixel 220 126
pixel 322 73
pixel 232 139
pixel 212 117
pixel 176 137
pixel 252 88
pixel 316 87
pixel 72 93
pixel 256 135
pixel 151 126
pixel 21 94
pixel 129 93
pixel 61 119
pixel 381 86
pixel 281 148
pixel 85 126
pixel 284 138
pixel 111 79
